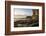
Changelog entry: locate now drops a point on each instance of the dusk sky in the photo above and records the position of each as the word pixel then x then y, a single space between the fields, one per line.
pixel 21 11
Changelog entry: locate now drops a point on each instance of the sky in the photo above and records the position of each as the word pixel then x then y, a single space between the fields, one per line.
pixel 22 11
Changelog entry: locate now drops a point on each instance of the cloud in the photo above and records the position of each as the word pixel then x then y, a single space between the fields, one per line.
pixel 20 11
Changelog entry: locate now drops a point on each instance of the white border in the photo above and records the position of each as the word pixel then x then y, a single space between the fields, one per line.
pixel 26 28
